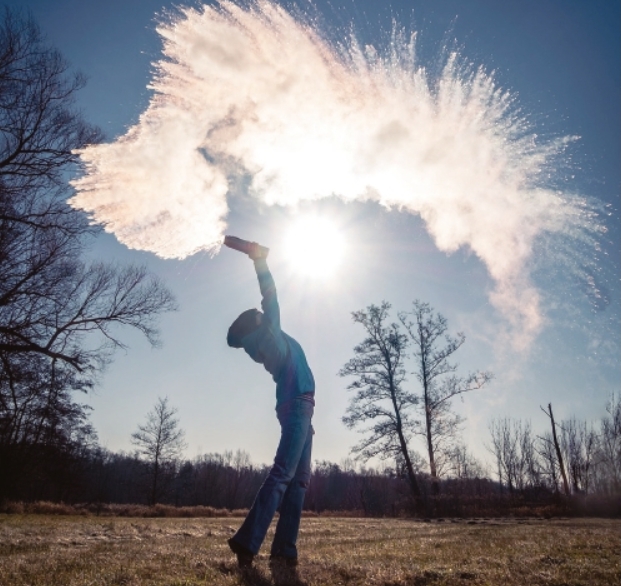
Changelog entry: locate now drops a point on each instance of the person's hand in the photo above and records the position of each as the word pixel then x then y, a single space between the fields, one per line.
pixel 256 251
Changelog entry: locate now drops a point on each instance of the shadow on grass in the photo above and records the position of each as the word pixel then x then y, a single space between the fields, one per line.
pixel 285 576
pixel 281 576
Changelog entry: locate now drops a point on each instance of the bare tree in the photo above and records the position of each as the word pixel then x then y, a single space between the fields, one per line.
pixel 609 447
pixel 557 449
pixel 239 468
pixel 40 128
pixel 58 314
pixel 160 442
pixel 432 349
pixel 48 297
pixel 513 446
pixel 92 299
pixel 380 399
pixel 548 461
pixel 463 465
pixel 578 442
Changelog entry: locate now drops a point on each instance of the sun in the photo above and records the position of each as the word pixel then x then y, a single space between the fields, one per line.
pixel 315 246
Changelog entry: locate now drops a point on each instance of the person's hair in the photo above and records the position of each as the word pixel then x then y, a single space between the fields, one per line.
pixel 245 324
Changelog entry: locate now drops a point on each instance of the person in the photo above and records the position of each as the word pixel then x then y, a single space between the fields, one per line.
pixel 261 337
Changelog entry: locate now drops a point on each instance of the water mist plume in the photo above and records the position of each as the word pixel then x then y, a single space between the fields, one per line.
pixel 250 89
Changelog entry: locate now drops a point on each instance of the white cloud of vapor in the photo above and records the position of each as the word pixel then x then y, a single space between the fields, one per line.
pixel 252 89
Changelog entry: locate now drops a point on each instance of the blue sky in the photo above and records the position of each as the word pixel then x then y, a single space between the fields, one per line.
pixel 561 59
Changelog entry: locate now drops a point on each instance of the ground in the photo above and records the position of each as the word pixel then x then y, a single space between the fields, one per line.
pixel 37 550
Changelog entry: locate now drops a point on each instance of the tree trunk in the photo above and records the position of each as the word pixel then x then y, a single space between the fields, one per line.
pixel 404 450
pixel 435 485
pixel 408 464
pixel 154 486
pixel 557 448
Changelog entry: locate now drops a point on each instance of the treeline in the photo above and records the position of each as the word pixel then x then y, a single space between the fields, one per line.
pixel 225 484
pixel 575 467
pixel 228 481
pixel 574 458
pixel 528 478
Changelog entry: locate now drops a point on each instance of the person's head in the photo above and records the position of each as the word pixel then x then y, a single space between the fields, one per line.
pixel 247 322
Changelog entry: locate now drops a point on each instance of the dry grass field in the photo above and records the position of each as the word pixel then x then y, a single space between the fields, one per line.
pixel 38 550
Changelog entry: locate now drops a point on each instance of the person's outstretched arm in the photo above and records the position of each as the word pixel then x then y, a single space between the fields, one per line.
pixel 269 303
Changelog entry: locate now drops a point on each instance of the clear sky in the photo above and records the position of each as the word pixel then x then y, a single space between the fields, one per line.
pixel 559 58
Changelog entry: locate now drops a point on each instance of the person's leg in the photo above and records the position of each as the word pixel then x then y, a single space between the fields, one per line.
pixel 295 425
pixel 285 538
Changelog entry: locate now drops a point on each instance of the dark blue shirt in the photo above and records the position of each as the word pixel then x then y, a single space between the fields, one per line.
pixel 281 355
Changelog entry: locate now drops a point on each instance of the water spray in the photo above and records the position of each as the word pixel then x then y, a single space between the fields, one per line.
pixel 247 89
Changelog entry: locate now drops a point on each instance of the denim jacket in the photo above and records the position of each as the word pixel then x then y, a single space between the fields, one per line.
pixel 280 354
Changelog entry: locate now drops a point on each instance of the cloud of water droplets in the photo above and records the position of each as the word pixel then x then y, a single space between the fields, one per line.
pixel 251 89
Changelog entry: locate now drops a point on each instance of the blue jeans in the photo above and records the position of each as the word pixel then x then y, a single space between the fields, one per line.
pixel 285 486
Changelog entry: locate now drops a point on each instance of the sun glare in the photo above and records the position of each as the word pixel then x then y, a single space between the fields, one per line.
pixel 314 246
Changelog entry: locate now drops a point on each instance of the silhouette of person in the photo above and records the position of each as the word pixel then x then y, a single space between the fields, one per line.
pixel 261 337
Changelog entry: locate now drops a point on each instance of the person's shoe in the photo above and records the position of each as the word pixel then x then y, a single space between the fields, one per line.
pixel 244 556
pixel 284 560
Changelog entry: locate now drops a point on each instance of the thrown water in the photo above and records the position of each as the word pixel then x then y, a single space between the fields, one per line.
pixel 252 90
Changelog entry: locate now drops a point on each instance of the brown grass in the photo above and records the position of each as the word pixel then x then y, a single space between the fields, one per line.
pixel 37 550
pixel 114 510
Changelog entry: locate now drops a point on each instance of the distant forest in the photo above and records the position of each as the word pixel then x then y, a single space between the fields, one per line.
pixel 528 479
